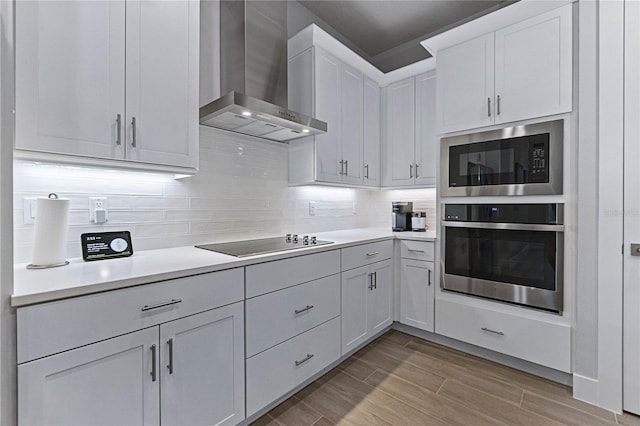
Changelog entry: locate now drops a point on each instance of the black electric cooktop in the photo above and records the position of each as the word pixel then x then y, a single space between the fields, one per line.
pixel 264 245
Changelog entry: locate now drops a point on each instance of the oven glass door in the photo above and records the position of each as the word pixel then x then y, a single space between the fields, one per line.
pixel 524 258
pixel 500 162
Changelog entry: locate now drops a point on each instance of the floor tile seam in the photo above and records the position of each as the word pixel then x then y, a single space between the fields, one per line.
pixel 470 407
pixel 430 371
pixel 514 404
pixel 321 417
pixel 390 373
pixel 568 406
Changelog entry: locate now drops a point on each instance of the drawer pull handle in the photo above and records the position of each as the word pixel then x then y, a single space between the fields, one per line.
pixel 307 308
pixel 416 251
pixel 307 358
pixel 153 363
pixel 373 253
pixel 160 305
pixel 500 333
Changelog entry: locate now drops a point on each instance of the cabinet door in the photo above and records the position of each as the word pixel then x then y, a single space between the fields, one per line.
pixel 417 294
pixel 327 102
pixel 352 116
pixel 380 308
pixel 400 135
pixel 426 139
pixel 371 132
pixel 106 383
pixel 465 85
pixel 534 67
pixel 202 366
pixel 162 82
pixel 70 60
pixel 356 286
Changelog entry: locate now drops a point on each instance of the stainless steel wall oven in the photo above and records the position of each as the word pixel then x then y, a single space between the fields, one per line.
pixel 518 160
pixel 508 252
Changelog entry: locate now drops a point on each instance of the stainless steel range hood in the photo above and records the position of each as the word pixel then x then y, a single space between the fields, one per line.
pixel 253 74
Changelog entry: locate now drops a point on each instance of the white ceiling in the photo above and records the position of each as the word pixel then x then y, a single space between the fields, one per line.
pixel 388 31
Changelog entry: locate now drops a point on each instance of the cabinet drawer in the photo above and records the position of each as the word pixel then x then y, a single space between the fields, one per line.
pixel 276 371
pixel 541 342
pixel 354 257
pixel 417 250
pixel 271 276
pixel 275 317
pixel 54 327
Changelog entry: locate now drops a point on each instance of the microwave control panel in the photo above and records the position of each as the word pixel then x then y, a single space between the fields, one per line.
pixel 539 159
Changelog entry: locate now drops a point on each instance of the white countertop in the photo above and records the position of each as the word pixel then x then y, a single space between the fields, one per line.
pixel 80 278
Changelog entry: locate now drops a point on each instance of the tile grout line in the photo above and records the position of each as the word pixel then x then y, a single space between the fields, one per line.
pixel 521 398
pixel 372 373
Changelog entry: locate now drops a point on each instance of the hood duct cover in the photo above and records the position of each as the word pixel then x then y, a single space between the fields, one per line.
pixel 253 67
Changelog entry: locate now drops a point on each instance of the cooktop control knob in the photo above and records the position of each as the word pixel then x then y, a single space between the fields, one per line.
pixel 288 238
pixel 314 240
pixel 305 240
pixel 295 238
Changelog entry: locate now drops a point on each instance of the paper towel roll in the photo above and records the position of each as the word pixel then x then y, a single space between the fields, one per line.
pixel 50 239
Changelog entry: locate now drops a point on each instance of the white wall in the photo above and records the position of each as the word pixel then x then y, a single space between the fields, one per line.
pixel 7 314
pixel 240 192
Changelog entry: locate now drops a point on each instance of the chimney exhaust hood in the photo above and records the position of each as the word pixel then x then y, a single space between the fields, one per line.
pixel 253 74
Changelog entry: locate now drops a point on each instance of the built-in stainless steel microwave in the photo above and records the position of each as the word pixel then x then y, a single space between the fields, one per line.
pixel 518 160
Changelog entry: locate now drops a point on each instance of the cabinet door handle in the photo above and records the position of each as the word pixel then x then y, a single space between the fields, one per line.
pixel 341 167
pixel 302 361
pixel 417 165
pixel 375 280
pixel 153 363
pixel 133 132
pixel 500 333
pixel 160 305
pixel 370 286
pixel 299 311
pixel 118 129
pixel 416 251
pixel 411 171
pixel 488 107
pixel 366 171
pixel 498 105
pixel 346 167
pixel 170 365
pixel 429 282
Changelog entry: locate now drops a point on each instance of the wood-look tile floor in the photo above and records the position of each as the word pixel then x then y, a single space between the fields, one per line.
pixel 402 380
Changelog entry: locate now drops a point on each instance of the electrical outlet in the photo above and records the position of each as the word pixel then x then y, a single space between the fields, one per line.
pixel 98 204
pixel 29 212
pixel 312 208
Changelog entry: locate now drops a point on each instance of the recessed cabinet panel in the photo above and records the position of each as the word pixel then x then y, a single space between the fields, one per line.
pixel 381 315
pixel 327 99
pixel 107 383
pixel 426 140
pixel 400 135
pixel 465 85
pixel 352 139
pixel 356 285
pixel 417 294
pixel 70 89
pixel 371 132
pixel 162 82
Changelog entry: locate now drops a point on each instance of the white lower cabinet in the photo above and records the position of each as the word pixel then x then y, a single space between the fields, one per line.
pixel 366 303
pixel 202 368
pixel 416 294
pixel 276 371
pixel 106 383
pixel 190 371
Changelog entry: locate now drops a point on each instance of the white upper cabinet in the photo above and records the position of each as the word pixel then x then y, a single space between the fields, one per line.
pixel 73 60
pixel 519 72
pixel 465 85
pixel 371 132
pixel 410 140
pixel 330 90
pixel 533 64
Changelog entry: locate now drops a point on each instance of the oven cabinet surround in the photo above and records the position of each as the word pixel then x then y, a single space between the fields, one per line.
pixel 520 72
pixel 292 324
pixel 322 86
pixel 103 357
pixel 367 293
pixel 417 284
pixel 531 335
pixel 409 147
pixel 127 92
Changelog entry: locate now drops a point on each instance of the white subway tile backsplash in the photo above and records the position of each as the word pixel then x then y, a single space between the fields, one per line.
pixel 240 192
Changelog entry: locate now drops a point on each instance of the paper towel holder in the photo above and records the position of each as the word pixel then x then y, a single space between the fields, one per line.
pixel 55 265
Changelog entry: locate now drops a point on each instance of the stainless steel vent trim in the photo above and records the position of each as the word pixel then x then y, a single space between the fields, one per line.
pixel 556 150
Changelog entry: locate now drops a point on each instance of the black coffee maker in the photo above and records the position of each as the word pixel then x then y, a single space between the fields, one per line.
pixel 401 215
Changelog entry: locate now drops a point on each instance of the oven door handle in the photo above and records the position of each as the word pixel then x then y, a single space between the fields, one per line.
pixel 504 226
